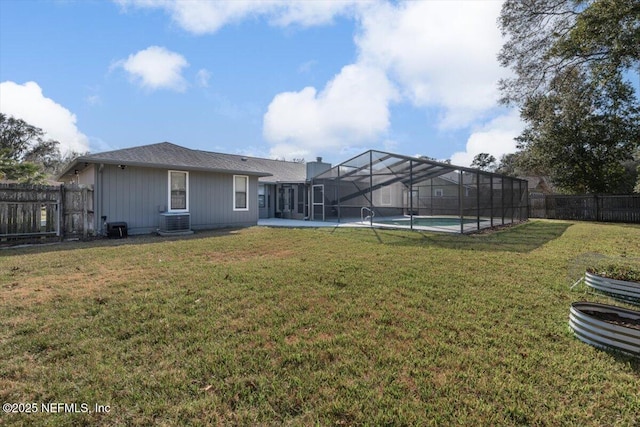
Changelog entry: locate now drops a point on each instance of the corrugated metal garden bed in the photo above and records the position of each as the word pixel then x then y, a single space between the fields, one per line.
pixel 606 326
pixel 627 290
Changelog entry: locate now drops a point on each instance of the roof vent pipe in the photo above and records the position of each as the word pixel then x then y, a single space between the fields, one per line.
pixel 319 159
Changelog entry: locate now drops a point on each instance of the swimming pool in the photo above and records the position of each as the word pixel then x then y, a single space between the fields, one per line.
pixel 431 221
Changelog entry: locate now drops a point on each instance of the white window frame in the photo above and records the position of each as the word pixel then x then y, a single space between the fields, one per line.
pixel 235 208
pixel 438 192
pixel 169 191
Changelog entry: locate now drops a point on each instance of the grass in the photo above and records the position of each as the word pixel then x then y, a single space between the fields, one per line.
pixel 618 270
pixel 313 327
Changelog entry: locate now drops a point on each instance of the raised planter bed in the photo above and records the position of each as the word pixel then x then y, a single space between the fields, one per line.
pixel 626 290
pixel 606 326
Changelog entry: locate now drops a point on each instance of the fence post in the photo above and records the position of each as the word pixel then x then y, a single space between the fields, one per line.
pixel 61 195
pixel 597 205
pixel 490 197
pixel 85 213
pixel 546 207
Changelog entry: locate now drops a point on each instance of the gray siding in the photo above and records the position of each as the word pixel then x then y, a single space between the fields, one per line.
pixel 133 195
pixel 87 176
pixel 138 195
pixel 211 201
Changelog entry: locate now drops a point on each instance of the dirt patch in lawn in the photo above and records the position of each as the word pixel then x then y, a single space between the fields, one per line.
pixel 74 283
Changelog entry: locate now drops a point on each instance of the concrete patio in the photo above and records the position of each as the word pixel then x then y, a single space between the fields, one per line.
pixel 280 222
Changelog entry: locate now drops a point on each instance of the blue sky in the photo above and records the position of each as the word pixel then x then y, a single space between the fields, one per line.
pixel 276 79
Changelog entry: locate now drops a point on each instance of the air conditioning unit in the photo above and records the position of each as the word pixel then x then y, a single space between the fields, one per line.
pixel 175 223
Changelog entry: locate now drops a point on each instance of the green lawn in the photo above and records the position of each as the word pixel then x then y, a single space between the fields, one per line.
pixel 314 326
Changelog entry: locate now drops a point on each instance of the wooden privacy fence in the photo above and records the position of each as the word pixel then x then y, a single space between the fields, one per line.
pixel 36 213
pixel 619 208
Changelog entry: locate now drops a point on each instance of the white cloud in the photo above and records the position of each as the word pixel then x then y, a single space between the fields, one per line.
pixel 202 17
pixel 27 102
pixel 441 53
pixel 438 54
pixel 313 12
pixel 496 138
pixel 352 108
pixel 156 68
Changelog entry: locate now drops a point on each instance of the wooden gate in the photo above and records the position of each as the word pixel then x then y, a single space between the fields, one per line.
pixel 40 213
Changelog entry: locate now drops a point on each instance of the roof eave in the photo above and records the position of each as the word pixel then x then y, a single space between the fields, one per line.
pixel 73 165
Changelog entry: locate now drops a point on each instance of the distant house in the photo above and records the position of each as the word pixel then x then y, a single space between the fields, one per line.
pixel 540 184
pixel 168 188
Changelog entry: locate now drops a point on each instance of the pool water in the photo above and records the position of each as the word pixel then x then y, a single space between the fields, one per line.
pixel 432 221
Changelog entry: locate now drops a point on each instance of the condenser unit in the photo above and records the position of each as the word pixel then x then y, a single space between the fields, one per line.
pixel 175 223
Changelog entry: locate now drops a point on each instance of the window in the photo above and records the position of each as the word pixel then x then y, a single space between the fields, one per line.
pixel 301 196
pixel 178 191
pixel 384 194
pixel 261 198
pixel 438 192
pixel 240 192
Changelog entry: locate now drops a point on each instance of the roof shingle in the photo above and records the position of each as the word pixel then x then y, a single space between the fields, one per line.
pixel 168 155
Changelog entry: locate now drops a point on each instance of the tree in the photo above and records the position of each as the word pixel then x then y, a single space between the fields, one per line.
pixel 25 172
pixel 580 135
pixel 484 162
pixel 516 164
pixel 545 38
pixel 636 189
pixel 433 159
pixel 24 153
pixel 572 59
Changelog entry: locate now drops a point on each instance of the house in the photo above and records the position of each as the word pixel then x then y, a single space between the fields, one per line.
pixel 171 189
pixel 540 184
pixel 286 192
pixel 168 188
